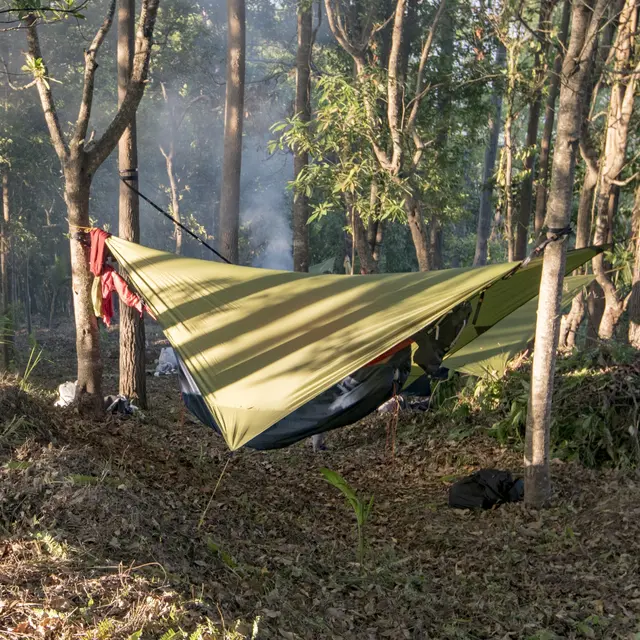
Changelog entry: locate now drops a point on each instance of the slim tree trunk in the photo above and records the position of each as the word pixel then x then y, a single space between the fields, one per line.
pixel 509 148
pixel 367 263
pixel 549 119
pixel 634 299
pixel 526 190
pixel 614 155
pixel 6 326
pixel 232 148
pixel 27 293
pixel 572 321
pixel 418 233
pixel 174 208
pixel 301 157
pixel 508 190
pixel 133 379
pixel 490 155
pixel 584 30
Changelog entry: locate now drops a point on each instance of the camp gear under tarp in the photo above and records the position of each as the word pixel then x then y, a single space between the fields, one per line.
pixel 485 489
pixel 491 352
pixel 259 344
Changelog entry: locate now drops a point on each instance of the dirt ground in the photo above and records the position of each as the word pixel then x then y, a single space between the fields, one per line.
pixel 105 530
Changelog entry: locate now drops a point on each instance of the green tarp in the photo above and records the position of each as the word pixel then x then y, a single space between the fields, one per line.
pixel 492 351
pixel 261 343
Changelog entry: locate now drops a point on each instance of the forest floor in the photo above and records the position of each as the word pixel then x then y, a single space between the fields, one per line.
pixel 101 538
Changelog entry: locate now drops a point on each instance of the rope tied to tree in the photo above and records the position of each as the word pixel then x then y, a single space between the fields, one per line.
pixel 553 234
pixel 126 176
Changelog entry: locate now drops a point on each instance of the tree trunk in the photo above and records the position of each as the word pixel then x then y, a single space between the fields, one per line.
pixel 6 326
pixel 613 158
pixel 133 379
pixel 572 321
pixel 508 190
pixel 435 243
pixel 490 155
pixel 27 294
pixel 634 299
pixel 301 157
pixel 584 28
pixel 418 233
pixel 77 187
pixel 175 199
pixel 232 149
pixel 367 263
pixel 549 118
pixel 526 191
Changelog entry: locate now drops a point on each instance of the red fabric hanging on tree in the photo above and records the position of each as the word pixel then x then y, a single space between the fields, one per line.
pixel 110 279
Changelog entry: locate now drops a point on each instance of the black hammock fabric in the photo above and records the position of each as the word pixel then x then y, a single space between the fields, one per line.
pixel 353 398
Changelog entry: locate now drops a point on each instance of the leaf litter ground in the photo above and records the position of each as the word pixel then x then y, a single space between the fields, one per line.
pixel 100 535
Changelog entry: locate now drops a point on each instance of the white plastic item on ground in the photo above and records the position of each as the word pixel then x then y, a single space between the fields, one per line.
pixel 167 362
pixel 67 394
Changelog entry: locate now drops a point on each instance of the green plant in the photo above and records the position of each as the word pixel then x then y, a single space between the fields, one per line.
pixel 32 363
pixel 361 507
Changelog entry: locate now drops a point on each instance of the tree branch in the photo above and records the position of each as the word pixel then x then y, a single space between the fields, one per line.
pixel 90 66
pixel 339 30
pixel 44 91
pixel 100 150
pixel 424 55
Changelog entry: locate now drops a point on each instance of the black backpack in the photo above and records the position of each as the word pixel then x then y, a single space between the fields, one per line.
pixel 485 489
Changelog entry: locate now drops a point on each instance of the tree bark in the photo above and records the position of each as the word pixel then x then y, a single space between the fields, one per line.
pixel 27 293
pixel 133 379
pixel 232 148
pixel 367 263
pixel 634 299
pixel 418 233
pixel 490 155
pixel 549 119
pixel 175 198
pixel 508 187
pixel 613 159
pixel 77 186
pixel 6 325
pixel 584 29
pixel 526 190
pixel 301 157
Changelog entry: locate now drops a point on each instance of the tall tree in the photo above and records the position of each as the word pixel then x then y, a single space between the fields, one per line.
pixel 585 23
pixel 233 116
pixel 301 156
pixel 539 71
pixel 6 324
pixel 401 153
pixel 133 378
pixel 549 120
pixel 490 156
pixel 621 103
pixel 80 158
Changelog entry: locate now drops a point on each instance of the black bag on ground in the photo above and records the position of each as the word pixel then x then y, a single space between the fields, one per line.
pixel 485 489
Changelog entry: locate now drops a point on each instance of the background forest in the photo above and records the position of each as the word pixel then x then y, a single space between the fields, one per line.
pixel 330 136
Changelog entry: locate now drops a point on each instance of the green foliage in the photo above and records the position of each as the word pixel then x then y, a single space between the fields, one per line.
pixel 361 506
pixel 596 407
